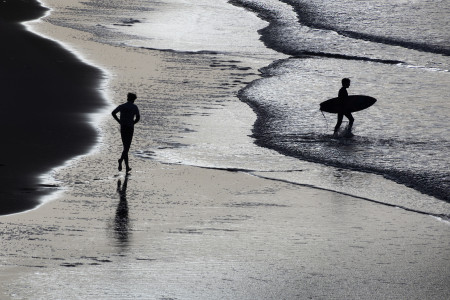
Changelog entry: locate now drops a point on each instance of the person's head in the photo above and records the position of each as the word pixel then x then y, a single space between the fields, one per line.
pixel 131 97
pixel 346 82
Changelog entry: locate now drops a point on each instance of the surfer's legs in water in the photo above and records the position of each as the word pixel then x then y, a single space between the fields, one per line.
pixel 350 121
pixel 339 122
pixel 127 136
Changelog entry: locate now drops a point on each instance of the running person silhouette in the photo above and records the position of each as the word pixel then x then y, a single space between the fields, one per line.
pixel 342 95
pixel 129 115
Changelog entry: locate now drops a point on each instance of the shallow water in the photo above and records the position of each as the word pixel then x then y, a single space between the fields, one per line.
pixel 403 137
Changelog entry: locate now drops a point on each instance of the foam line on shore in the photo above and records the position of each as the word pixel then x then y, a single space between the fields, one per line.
pixel 443 217
pixel 439 216
pixel 185 52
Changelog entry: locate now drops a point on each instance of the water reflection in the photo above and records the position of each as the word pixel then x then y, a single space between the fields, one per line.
pixel 121 220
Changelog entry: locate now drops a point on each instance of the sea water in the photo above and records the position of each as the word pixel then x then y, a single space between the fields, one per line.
pixel 395 51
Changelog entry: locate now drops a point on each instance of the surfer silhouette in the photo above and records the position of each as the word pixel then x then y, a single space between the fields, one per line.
pixel 345 105
pixel 343 95
pixel 129 115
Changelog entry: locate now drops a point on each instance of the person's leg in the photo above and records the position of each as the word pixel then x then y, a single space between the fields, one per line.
pixel 120 164
pixel 122 136
pixel 127 137
pixel 339 122
pixel 350 119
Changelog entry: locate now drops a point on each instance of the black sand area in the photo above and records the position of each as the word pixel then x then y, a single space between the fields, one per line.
pixel 46 93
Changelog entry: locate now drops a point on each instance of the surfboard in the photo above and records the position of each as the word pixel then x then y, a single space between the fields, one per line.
pixel 352 103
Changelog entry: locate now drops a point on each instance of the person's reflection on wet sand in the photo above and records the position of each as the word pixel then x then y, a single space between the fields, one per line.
pixel 121 221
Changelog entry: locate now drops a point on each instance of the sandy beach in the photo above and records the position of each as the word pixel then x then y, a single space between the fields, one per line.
pixel 174 232
pixel 171 231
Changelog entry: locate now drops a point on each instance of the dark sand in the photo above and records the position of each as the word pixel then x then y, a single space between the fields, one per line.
pixel 46 95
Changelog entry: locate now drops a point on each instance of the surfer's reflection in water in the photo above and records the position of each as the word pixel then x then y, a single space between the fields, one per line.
pixel 121 221
pixel 342 96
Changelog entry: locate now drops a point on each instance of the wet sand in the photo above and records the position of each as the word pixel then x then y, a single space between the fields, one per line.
pixel 181 232
pixel 176 232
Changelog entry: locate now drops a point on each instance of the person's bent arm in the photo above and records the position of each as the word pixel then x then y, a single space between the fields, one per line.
pixel 138 117
pixel 114 114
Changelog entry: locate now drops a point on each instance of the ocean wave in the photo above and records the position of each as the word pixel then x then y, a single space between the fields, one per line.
pixel 312 32
pixel 309 15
